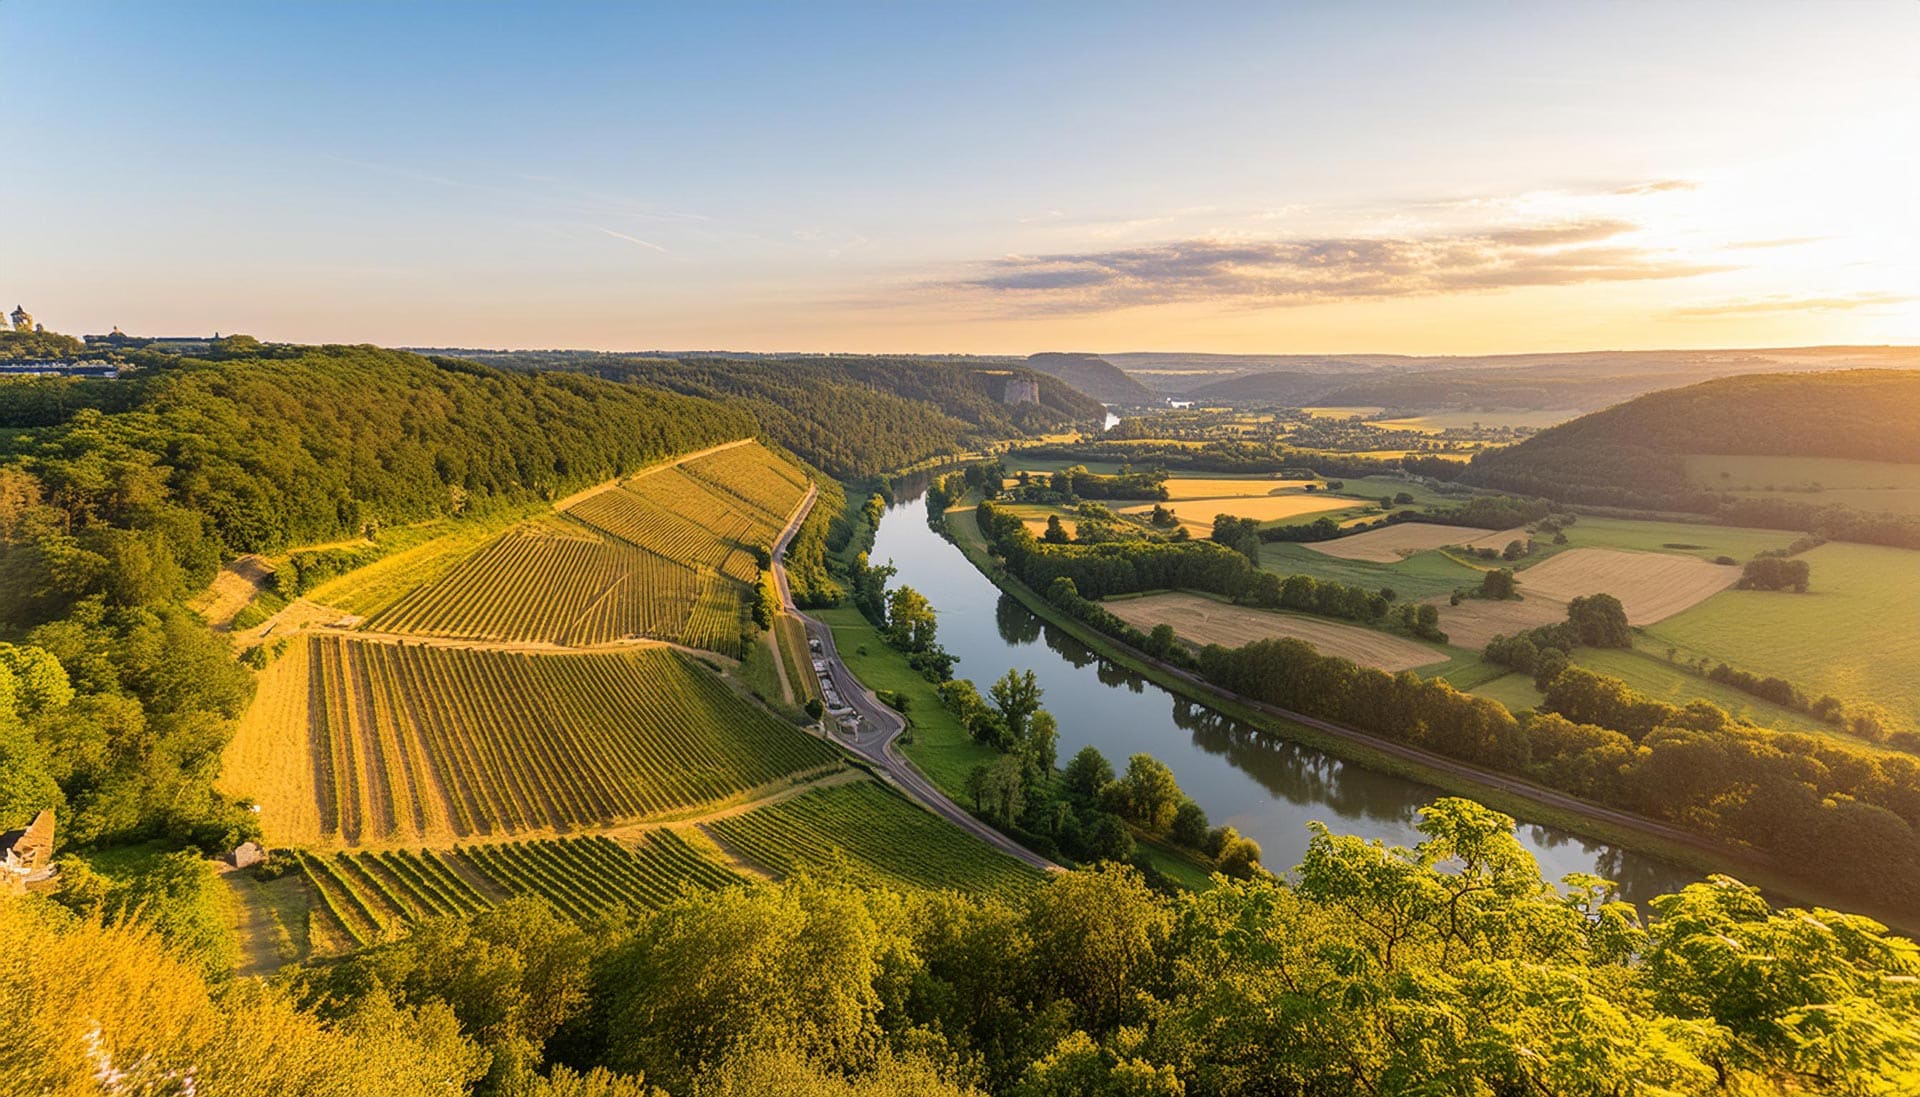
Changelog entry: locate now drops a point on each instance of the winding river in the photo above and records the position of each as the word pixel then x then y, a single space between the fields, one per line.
pixel 1266 787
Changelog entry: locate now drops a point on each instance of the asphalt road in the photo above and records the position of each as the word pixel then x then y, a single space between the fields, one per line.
pixel 881 725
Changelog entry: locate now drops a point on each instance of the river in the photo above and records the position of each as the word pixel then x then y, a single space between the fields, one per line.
pixel 1266 787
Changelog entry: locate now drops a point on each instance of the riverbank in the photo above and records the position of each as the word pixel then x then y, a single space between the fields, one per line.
pixel 1507 793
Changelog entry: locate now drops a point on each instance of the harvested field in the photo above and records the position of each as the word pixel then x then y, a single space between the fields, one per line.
pixel 1651 585
pixel 1202 620
pixel 232 588
pixel 1390 543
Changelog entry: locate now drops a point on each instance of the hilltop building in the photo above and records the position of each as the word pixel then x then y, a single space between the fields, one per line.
pixel 26 856
pixel 22 319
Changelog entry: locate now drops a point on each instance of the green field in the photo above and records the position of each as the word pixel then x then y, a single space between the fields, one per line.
pixel 1510 689
pixel 939 746
pixel 1649 672
pixel 1853 635
pixel 1422 575
pixel 876 836
pixel 1686 538
pixel 1373 487
pixel 1862 485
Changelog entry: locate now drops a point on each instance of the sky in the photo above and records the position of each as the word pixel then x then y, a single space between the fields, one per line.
pixel 983 178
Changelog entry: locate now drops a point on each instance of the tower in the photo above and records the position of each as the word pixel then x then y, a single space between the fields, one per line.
pixel 22 319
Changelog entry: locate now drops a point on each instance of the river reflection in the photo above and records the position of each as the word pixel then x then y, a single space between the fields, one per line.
pixel 1266 786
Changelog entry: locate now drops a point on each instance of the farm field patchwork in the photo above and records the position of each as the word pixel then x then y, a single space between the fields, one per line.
pixel 411 744
pixel 1852 635
pixel 1201 620
pixel 876 836
pixel 1651 586
pixel 1390 543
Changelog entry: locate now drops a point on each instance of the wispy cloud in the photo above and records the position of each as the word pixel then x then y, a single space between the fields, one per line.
pixel 1782 242
pixel 1753 306
pixel 1657 186
pixel 1301 271
pixel 633 240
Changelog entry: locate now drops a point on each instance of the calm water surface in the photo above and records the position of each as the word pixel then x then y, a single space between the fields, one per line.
pixel 1268 788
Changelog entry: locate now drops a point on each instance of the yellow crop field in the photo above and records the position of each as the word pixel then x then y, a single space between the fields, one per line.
pixel 1201 487
pixel 1198 514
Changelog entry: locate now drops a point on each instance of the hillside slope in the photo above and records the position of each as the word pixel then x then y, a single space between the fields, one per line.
pixel 848 416
pixel 1094 376
pixel 1631 454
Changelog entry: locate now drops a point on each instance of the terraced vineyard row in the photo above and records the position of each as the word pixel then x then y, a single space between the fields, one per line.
pixel 589 876
pixel 414 744
pixel 536 584
pixel 369 896
pixel 877 836
pixel 755 476
pixel 670 554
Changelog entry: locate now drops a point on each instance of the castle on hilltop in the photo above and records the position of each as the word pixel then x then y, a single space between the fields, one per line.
pixel 23 320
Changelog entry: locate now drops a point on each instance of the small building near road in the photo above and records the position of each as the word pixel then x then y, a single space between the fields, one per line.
pixel 246 854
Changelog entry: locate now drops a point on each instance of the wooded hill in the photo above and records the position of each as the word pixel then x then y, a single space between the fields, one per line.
pixel 1631 455
pixel 1094 376
pixel 848 416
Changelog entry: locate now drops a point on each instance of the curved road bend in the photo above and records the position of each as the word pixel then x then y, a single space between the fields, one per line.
pixel 882 725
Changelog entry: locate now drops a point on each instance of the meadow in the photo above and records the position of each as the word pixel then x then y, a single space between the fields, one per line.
pixel 1422 575
pixel 1862 485
pixel 410 744
pixel 1685 538
pixel 874 836
pixel 1852 635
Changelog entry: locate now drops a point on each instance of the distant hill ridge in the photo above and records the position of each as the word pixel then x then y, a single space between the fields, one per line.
pixel 1093 375
pixel 1631 454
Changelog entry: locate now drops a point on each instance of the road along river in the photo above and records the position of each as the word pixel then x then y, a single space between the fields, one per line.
pixel 1267 787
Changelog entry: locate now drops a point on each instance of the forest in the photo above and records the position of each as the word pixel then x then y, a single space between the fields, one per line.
pixel 850 417
pixel 1450 967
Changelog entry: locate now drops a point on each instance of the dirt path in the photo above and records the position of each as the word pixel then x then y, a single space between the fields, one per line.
pixel 263 941
pixel 232 588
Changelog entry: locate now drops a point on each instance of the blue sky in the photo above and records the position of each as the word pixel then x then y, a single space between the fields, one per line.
pixel 979 177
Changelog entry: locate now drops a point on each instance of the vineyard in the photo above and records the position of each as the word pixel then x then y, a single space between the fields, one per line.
pixel 368 897
pixel 588 876
pixel 876 837
pixel 363 898
pixel 415 743
pixel 669 554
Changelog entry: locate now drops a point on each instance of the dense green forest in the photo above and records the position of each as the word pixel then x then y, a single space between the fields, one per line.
pixel 1452 967
pixel 38 344
pixel 1630 455
pixel 852 417
pixel 119 498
